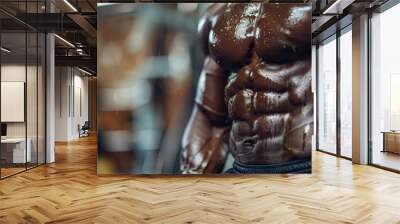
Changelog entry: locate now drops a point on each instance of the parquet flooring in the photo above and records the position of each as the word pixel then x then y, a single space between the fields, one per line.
pixel 70 192
pixel 10 171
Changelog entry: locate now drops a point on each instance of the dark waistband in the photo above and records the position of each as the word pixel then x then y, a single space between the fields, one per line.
pixel 298 166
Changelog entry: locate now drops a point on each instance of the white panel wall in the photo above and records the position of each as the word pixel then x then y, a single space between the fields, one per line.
pixel 71 87
pixel 62 80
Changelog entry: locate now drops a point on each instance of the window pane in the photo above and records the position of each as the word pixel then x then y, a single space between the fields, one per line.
pixel 385 89
pixel 346 94
pixel 327 96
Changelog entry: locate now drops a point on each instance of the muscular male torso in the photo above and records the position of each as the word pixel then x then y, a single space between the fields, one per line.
pixel 255 86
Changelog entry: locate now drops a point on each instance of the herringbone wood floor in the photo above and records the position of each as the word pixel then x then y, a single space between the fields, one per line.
pixel 70 192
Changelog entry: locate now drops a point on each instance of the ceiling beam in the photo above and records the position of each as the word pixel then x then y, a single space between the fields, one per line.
pixel 49 22
pixel 337 7
pixel 84 24
pixel 81 61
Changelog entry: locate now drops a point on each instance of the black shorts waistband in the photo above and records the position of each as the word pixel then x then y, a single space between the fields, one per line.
pixel 298 166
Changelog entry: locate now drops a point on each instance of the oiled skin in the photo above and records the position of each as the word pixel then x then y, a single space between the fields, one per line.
pixel 256 85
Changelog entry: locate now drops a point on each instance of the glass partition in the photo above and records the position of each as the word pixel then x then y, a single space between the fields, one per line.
pixel 14 153
pixel 22 78
pixel 41 109
pixel 31 99
pixel 32 84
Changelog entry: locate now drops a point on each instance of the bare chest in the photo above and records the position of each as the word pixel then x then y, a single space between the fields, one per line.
pixel 277 33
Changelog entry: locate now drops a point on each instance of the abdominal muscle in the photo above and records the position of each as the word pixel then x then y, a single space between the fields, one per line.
pixel 268 94
pixel 269 107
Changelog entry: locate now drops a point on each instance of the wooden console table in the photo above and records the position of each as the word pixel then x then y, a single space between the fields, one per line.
pixel 391 141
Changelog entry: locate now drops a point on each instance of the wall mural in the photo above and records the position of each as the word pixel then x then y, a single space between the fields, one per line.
pixel 199 88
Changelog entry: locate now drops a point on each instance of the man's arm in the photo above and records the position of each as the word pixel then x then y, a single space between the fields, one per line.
pixel 205 139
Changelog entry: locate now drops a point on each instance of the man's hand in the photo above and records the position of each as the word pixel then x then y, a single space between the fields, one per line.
pixel 204 146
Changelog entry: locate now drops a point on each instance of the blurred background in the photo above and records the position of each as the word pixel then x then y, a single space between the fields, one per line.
pixel 148 65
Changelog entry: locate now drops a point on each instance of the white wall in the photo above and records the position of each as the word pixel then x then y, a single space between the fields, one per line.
pixel 16 73
pixel 33 126
pixel 80 94
pixel 9 73
pixel 62 81
pixel 70 83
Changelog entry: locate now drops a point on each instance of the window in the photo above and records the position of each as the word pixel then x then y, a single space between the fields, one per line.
pixel 385 89
pixel 346 93
pixel 327 96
